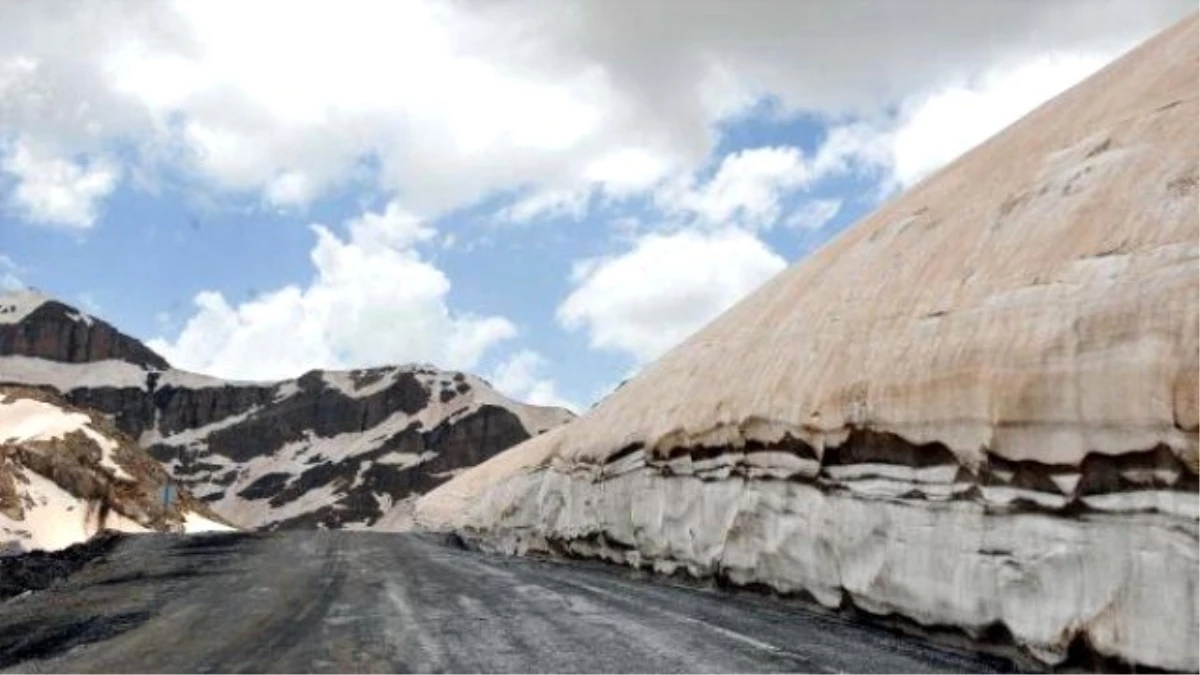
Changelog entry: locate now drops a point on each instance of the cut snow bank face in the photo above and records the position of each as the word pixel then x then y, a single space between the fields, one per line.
pixel 66 475
pixel 976 407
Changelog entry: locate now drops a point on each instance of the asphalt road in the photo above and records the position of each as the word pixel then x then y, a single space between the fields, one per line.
pixel 352 601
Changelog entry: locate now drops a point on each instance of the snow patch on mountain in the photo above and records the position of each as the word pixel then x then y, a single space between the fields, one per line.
pixel 66 474
pixel 16 305
pixel 339 472
pixel 194 523
pixel 30 420
pixel 54 518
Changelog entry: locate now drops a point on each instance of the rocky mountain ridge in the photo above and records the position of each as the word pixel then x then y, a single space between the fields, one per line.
pixel 327 449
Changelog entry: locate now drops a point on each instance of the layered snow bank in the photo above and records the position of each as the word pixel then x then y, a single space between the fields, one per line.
pixel 1124 581
pixel 975 408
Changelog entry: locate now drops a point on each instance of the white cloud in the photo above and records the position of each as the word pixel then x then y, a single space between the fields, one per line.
pixel 521 377
pixel 745 190
pixel 453 101
pixel 374 300
pixel 937 128
pixel 628 170
pixel 545 204
pixel 932 129
pixel 664 288
pixel 54 190
pixel 814 214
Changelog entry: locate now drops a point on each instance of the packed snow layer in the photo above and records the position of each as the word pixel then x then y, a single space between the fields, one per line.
pixel 69 376
pixel 114 373
pixel 23 419
pixel 1127 580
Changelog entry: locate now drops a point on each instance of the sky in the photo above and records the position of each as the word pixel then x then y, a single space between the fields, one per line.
pixel 547 194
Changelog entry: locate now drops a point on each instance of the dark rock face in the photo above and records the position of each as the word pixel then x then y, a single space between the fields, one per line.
pixel 466 442
pixel 169 410
pixel 181 409
pixel 57 332
pixel 323 411
pixel 365 453
pixel 131 409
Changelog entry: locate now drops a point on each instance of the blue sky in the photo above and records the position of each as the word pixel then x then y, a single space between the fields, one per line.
pixel 550 208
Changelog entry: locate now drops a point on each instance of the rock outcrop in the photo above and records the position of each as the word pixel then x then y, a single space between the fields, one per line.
pixel 35 325
pixel 975 409
pixel 329 449
pixel 66 474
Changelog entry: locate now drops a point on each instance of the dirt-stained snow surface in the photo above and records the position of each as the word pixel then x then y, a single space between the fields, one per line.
pixel 977 407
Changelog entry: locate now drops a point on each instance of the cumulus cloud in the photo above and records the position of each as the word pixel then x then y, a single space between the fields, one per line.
pixel 930 130
pixel 452 101
pixel 57 191
pixel 374 300
pixel 544 204
pixel 521 376
pixel 745 191
pixel 666 286
pixel 939 127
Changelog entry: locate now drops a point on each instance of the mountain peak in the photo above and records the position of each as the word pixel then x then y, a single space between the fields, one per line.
pixel 36 325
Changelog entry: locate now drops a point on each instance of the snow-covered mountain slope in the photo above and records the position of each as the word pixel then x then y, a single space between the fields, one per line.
pixel 329 449
pixel 975 408
pixel 66 474
pixel 346 449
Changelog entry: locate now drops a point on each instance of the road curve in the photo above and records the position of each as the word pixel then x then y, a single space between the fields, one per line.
pixel 353 602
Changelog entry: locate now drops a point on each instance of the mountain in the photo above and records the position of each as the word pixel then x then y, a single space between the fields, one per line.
pixel 66 474
pixel 976 408
pixel 33 324
pixel 328 449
